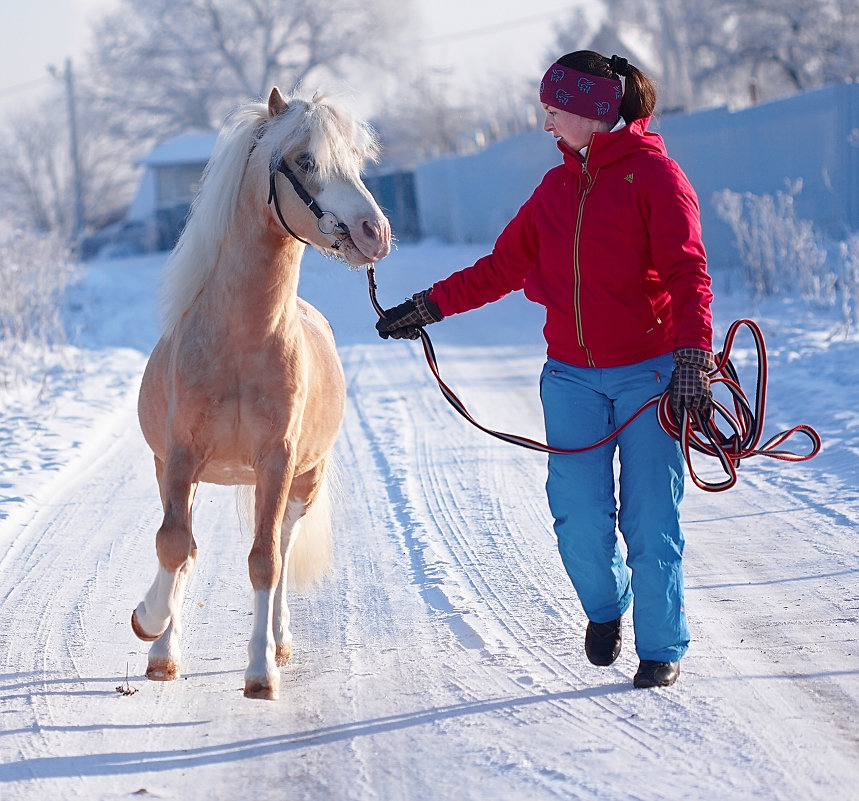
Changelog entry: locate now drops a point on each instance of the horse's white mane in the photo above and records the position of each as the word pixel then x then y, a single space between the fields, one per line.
pixel 338 143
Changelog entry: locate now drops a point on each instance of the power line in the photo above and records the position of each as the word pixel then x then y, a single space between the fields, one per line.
pixel 19 87
pixel 490 29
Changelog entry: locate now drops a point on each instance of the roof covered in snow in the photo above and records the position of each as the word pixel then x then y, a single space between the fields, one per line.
pixel 187 148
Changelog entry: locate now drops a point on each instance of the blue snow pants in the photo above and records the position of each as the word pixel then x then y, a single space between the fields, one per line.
pixel 580 406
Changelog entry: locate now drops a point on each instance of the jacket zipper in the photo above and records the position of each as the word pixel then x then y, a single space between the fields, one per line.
pixel 577 273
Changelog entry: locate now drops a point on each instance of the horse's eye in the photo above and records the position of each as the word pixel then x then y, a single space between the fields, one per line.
pixel 305 162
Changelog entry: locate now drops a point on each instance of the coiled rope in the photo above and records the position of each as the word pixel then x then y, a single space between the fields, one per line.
pixel 745 422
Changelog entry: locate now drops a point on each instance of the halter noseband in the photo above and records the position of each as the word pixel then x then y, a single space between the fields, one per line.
pixel 326 221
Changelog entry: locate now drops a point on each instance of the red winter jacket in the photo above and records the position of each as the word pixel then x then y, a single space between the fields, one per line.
pixel 611 245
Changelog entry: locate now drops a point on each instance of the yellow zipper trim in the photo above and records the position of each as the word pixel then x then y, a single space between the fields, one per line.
pixel 577 274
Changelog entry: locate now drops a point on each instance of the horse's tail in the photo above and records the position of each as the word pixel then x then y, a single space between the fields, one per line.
pixel 310 557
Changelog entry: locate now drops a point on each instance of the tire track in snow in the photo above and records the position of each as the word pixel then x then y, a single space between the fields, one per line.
pixel 781 660
pixel 446 663
pixel 411 530
pixel 514 605
pixel 388 429
pixel 513 638
pixel 52 574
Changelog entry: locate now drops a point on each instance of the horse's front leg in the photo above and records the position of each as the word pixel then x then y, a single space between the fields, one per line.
pixel 165 655
pixel 265 563
pixel 158 616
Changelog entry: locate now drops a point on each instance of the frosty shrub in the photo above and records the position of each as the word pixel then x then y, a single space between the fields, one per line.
pixel 849 279
pixel 776 248
pixel 34 272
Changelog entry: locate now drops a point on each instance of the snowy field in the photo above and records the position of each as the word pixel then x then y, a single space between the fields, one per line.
pixel 444 658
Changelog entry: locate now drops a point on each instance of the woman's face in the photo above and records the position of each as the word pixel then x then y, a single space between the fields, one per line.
pixel 571 129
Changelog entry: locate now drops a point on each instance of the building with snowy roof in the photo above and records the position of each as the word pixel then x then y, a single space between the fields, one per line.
pixel 171 177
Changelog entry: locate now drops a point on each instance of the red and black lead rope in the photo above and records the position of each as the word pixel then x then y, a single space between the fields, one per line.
pixel 694 434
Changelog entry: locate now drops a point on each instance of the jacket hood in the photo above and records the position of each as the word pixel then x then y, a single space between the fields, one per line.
pixel 609 147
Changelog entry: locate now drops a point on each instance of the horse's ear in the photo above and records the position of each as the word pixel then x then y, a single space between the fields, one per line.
pixel 276 103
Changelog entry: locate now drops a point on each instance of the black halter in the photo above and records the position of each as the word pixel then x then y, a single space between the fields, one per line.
pixel 326 221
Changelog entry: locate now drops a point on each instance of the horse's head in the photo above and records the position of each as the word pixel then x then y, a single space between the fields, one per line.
pixel 316 192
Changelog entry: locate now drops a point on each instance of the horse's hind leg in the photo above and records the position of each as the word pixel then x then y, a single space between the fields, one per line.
pixel 289 532
pixel 303 494
pixel 158 616
pixel 273 477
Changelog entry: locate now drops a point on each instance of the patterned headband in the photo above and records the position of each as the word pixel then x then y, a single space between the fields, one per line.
pixel 579 93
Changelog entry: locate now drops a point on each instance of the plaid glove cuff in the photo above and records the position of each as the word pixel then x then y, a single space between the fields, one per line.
pixel 405 320
pixel 695 357
pixel 427 309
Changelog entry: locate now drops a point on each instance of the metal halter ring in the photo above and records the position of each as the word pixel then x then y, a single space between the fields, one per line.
pixel 328 223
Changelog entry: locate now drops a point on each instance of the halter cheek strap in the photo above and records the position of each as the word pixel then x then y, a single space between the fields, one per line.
pixel 326 221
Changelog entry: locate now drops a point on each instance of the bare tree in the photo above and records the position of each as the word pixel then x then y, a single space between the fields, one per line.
pixel 423 123
pixel 650 34
pixel 571 33
pixel 37 191
pixel 735 51
pixel 33 177
pixel 781 47
pixel 166 66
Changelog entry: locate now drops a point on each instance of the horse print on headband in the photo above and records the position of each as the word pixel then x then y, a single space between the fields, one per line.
pixel 577 92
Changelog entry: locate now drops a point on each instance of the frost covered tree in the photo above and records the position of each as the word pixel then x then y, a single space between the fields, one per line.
pixel 650 33
pixel 774 46
pixel 33 174
pixel 167 66
pixel 421 122
pixel 735 51
pixel 37 190
pixel 170 65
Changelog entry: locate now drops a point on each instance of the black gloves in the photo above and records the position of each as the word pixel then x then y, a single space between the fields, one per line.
pixel 403 321
pixel 690 383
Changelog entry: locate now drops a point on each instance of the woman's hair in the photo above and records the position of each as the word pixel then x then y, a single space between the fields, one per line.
pixel 639 93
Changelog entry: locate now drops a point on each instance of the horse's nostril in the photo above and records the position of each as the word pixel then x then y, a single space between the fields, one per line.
pixel 376 230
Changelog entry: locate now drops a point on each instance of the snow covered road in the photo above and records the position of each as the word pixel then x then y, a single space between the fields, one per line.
pixel 444 659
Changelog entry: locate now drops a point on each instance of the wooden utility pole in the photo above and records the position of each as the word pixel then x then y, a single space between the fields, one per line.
pixel 80 215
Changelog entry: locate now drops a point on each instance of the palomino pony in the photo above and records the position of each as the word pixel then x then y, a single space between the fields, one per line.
pixel 245 386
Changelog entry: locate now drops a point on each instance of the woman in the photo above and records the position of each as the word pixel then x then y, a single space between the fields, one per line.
pixel 610 243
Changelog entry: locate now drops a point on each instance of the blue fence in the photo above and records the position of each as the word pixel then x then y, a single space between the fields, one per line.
pixel 813 136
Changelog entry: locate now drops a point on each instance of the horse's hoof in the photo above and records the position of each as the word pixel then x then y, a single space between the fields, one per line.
pixel 283 654
pixel 258 689
pixel 162 670
pixel 138 629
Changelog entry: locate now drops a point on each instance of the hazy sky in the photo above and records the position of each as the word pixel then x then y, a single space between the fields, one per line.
pixel 35 33
pixel 470 38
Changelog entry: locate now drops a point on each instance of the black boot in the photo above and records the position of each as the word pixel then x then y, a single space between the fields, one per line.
pixel 656 674
pixel 602 642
